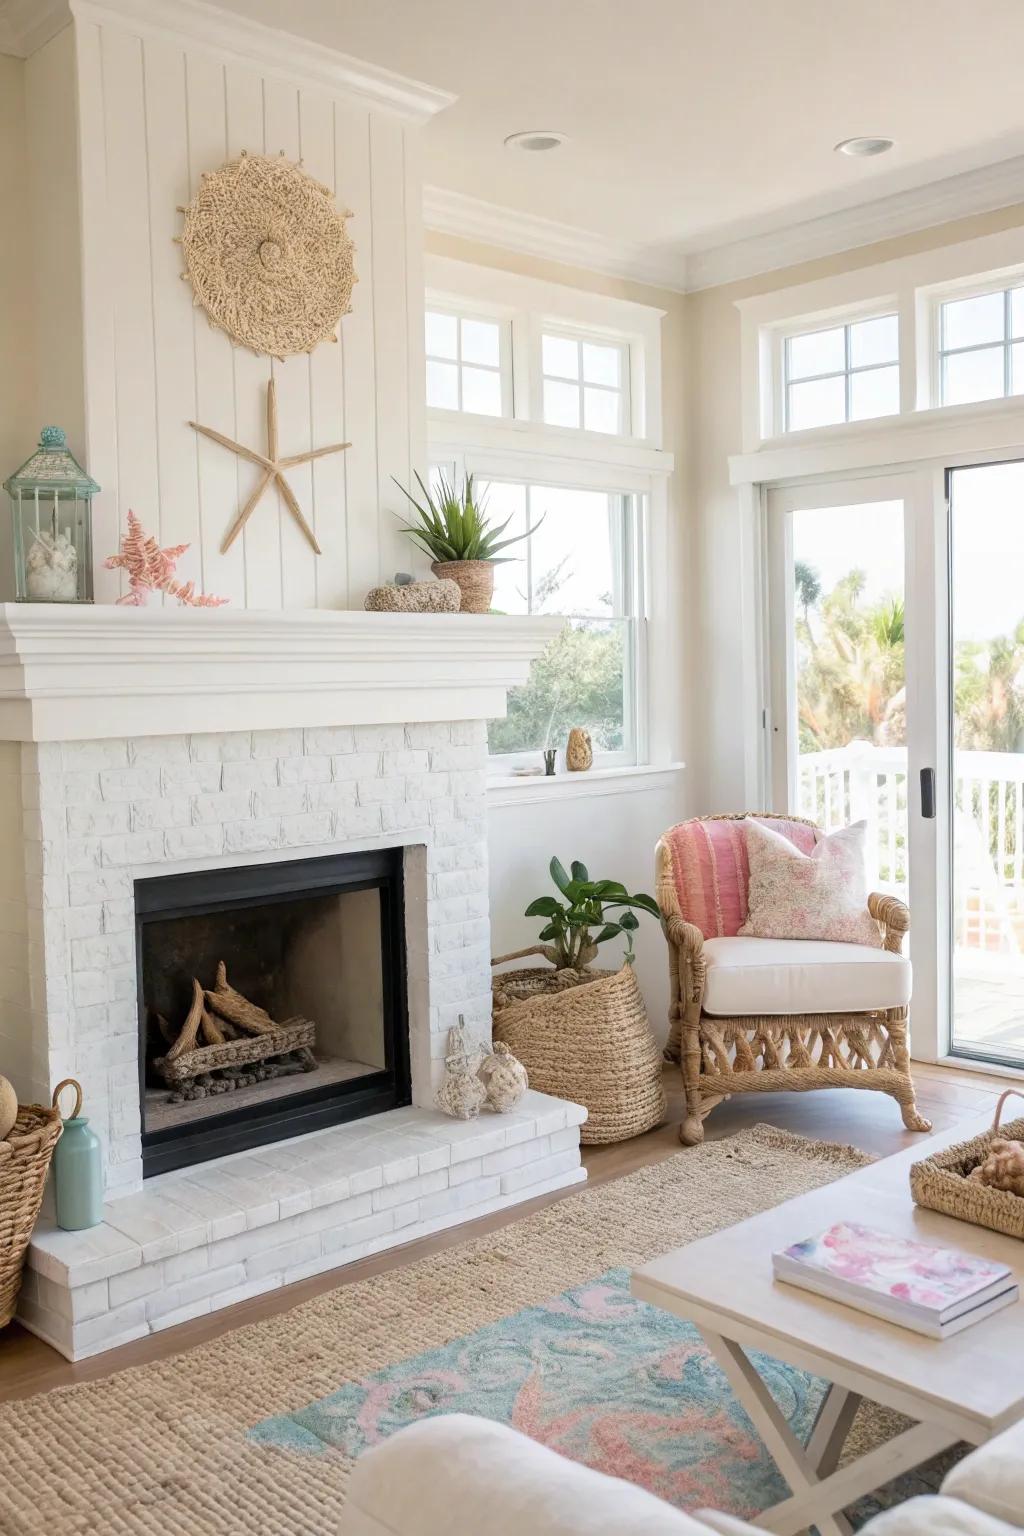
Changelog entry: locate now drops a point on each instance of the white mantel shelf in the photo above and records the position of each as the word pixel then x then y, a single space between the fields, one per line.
pixel 84 673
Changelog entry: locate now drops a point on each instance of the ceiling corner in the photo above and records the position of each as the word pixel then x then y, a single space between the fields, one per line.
pixel 25 25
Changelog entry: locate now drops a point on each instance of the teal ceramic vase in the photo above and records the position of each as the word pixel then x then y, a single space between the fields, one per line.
pixel 77 1169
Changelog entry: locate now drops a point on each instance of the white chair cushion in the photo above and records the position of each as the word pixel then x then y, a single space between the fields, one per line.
pixel 456 1474
pixel 931 1516
pixel 992 1477
pixel 785 976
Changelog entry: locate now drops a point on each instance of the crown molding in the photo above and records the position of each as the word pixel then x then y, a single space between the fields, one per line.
pixel 26 25
pixel 193 23
pixel 470 218
pixel 885 218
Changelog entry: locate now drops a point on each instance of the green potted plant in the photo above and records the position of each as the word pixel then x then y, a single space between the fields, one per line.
pixel 583 1034
pixel 453 527
pixel 568 937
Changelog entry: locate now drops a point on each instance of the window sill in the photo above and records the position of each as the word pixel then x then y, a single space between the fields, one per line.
pixel 510 789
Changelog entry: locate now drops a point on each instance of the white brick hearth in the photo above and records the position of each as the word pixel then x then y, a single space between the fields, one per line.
pixel 338 742
pixel 223 1231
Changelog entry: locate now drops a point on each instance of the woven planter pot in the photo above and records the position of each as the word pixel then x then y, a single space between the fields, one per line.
pixel 584 1036
pixel 24 1163
pixel 474 578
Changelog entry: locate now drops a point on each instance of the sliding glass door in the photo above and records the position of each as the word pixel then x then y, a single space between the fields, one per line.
pixel 854 585
pixel 986 505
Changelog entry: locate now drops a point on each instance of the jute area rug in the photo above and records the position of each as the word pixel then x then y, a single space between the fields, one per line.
pixel 168 1449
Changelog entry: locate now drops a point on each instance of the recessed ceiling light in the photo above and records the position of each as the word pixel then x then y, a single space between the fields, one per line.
pixel 535 140
pixel 859 149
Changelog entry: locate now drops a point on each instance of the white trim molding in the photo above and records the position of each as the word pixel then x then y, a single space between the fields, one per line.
pixel 885 218
pixel 471 218
pixel 27 25
pixel 90 673
pixel 989 187
pixel 540 789
pixel 275 51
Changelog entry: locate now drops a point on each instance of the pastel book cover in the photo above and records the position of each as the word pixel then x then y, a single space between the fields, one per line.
pixel 916 1274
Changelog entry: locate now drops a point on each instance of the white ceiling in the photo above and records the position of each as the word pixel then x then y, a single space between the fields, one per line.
pixel 693 123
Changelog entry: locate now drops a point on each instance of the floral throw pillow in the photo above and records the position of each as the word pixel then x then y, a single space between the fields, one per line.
pixel 817 895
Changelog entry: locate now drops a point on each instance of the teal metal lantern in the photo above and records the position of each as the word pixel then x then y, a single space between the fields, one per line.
pixel 51 506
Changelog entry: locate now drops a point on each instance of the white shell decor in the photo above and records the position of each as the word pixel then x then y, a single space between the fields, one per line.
pixel 504 1077
pixel 461 1095
pixel 51 569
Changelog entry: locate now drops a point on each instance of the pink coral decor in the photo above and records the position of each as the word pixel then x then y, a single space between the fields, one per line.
pixel 151 569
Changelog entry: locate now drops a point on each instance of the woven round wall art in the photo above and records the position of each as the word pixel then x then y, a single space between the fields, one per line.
pixel 268 255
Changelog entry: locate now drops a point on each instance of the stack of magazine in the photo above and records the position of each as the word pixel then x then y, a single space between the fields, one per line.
pixel 937 1291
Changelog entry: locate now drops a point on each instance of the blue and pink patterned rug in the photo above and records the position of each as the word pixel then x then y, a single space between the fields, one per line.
pixel 600 1377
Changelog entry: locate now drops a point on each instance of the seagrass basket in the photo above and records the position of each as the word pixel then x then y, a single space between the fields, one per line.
pixel 943 1181
pixel 583 1035
pixel 24 1163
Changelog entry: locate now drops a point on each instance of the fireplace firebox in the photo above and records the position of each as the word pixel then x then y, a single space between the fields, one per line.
pixel 272 1002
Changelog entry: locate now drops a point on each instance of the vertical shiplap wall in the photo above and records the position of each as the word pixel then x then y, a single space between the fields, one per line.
pixel 153 117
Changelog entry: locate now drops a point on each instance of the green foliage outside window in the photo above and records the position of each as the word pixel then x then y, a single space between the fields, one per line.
pixel 577 681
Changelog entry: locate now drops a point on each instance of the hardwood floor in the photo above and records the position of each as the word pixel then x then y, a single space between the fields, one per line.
pixel 867 1120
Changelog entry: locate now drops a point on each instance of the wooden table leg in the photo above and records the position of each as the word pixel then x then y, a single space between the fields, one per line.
pixel 819 1493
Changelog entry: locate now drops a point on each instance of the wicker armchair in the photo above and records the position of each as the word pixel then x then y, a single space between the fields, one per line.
pixel 762 1046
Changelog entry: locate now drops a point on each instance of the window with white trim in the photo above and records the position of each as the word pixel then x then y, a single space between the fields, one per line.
pixel 585 383
pixel 468 363
pixel 576 461
pixel 841 373
pixel 981 346
pixel 581 561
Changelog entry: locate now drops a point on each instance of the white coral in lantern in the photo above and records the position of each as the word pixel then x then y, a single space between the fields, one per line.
pixel 51 569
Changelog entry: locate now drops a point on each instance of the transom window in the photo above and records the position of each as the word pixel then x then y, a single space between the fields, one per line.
pixel 466 368
pixel 585 383
pixel 981 347
pixel 581 561
pixel 845 373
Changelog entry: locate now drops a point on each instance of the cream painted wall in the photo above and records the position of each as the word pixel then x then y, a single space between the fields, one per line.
pixel 715 773
pixel 17 357
pixel 614 835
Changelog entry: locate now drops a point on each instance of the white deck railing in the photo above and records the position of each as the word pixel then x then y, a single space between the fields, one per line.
pixel 865 782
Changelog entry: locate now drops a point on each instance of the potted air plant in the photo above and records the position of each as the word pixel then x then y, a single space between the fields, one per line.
pixel 452 526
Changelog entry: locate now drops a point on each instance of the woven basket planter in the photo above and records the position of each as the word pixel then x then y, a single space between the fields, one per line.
pixel 584 1036
pixel 942 1182
pixel 24 1164
pixel 474 579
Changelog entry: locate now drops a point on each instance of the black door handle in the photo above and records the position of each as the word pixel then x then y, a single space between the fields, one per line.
pixel 928 793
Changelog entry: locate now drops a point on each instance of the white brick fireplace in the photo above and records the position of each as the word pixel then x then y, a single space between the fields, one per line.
pixel 140 743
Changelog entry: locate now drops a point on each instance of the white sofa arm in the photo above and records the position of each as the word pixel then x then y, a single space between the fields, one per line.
pixel 992 1477
pixel 460 1476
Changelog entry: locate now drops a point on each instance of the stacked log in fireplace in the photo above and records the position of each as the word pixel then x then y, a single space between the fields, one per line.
pixel 226 1042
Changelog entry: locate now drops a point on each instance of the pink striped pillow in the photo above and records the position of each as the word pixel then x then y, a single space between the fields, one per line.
pixel 711 874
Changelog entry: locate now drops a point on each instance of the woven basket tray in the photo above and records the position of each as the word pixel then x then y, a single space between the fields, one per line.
pixel 24 1163
pixel 942 1182
pixel 584 1036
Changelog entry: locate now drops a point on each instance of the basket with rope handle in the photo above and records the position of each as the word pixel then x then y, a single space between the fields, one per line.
pixel 583 1035
pixel 943 1181
pixel 24 1163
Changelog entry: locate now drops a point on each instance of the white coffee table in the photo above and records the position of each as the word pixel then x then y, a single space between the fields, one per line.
pixel 968 1387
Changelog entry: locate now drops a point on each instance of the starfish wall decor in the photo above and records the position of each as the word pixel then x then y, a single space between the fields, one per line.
pixel 273 468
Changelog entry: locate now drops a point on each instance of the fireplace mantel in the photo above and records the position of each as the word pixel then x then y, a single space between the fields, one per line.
pixel 85 673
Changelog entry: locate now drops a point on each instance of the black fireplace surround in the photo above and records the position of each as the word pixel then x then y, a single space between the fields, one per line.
pixel 163 899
